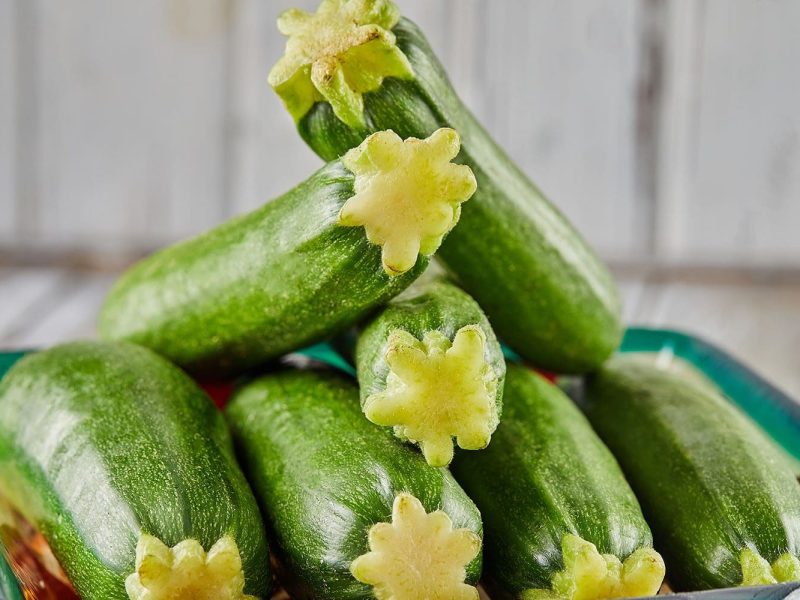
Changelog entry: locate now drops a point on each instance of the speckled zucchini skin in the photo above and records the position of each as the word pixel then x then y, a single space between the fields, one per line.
pixel 709 481
pixel 258 286
pixel 100 442
pixel 544 290
pixel 324 475
pixel 430 306
pixel 544 475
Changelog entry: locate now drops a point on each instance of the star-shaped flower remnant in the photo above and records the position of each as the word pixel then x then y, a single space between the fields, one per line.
pixel 336 54
pixel 417 555
pixel 757 571
pixel 437 390
pixel 589 575
pixel 186 571
pixel 408 194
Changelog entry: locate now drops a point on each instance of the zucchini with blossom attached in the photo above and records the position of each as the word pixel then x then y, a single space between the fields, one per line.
pixel 355 513
pixel 429 365
pixel 560 520
pixel 300 268
pixel 128 471
pixel 355 67
pixel 723 501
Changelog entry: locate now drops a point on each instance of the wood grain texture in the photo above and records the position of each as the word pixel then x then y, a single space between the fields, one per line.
pixel 132 119
pixel 735 196
pixel 560 91
pixel 70 315
pixel 267 157
pixel 8 101
pixel 665 131
pixel 759 323
pixel 161 122
pixel 26 295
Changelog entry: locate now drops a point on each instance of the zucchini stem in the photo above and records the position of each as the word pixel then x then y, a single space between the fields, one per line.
pixel 417 555
pixel 337 54
pixel 186 571
pixel 436 390
pixel 589 575
pixel 408 194
pixel 757 571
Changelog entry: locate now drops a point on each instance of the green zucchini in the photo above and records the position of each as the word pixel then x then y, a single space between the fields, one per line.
pixel 560 519
pixel 354 512
pixel 128 471
pixel 723 502
pixel 354 67
pixel 430 366
pixel 300 268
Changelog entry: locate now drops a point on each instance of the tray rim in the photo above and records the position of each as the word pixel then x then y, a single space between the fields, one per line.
pixel 746 388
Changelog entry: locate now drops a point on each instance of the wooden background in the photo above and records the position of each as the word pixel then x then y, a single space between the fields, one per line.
pixel 668 130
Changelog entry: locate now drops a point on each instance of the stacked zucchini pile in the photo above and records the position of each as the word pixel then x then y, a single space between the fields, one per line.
pixel 439 465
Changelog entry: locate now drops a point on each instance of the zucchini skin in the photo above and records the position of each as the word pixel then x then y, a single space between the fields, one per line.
pixel 259 286
pixel 100 442
pixel 709 481
pixel 324 475
pixel 546 293
pixel 545 474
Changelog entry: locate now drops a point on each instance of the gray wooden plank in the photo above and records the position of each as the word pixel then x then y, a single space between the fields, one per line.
pixel 631 291
pixel 26 294
pixel 267 156
pixel 758 323
pixel 133 124
pixel 560 79
pixel 8 57
pixel 733 180
pixel 73 316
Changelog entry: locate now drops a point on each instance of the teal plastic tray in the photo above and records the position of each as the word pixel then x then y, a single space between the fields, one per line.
pixel 773 410
pixel 9 588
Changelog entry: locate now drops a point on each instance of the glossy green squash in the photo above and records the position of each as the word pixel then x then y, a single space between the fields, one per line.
pixel 560 519
pixel 723 501
pixel 355 67
pixel 354 512
pixel 300 268
pixel 127 469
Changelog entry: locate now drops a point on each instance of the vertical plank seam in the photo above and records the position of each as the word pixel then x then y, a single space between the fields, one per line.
pixel 649 81
pixel 230 153
pixel 678 126
pixel 27 126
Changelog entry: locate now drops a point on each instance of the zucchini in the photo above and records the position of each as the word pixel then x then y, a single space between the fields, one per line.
pixel 561 522
pixel 354 512
pixel 300 268
pixel 723 502
pixel 354 67
pixel 429 366
pixel 128 471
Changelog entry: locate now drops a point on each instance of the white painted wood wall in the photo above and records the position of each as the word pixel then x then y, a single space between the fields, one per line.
pixel 668 130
